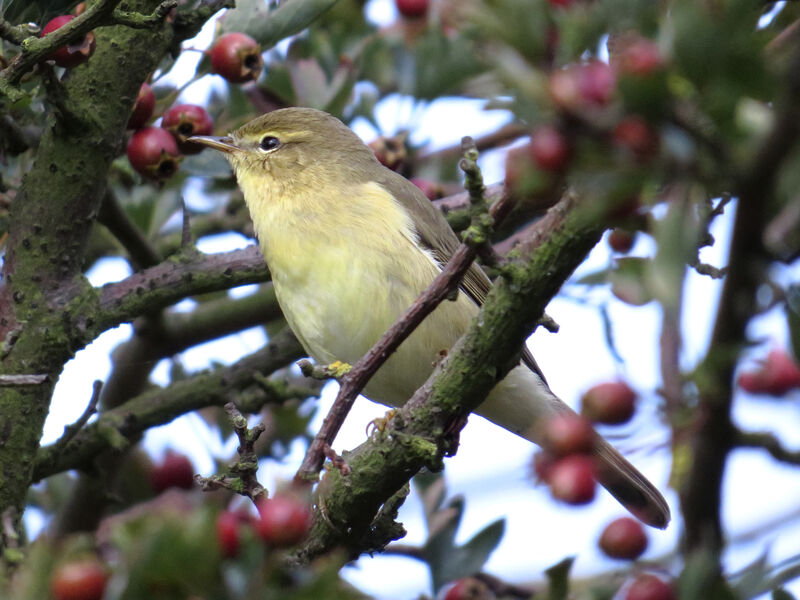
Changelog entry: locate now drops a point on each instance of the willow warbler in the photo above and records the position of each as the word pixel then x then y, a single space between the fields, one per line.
pixel 351 244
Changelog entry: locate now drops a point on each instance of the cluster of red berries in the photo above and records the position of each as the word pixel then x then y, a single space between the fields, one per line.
pixel 565 461
pixel 283 521
pixel 583 88
pixel 777 375
pixel 173 471
pixel 156 152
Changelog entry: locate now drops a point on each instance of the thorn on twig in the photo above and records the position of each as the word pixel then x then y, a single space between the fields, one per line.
pixel 241 476
pixel 70 431
pixel 186 230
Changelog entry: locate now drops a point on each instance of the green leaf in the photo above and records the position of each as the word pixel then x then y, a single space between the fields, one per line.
pixel 782 594
pixel 558 579
pixel 34 11
pixel 629 280
pixel 270 25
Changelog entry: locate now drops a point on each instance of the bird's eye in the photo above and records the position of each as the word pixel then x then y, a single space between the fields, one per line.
pixel 269 142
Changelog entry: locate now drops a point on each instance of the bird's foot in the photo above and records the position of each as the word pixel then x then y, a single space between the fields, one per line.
pixel 379 425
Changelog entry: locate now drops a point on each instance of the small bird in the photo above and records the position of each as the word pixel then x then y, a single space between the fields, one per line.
pixel 351 244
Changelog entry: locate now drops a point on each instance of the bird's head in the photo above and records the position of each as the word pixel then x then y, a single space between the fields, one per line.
pixel 295 146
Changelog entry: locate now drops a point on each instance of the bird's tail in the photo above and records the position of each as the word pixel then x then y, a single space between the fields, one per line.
pixel 629 486
pixel 522 402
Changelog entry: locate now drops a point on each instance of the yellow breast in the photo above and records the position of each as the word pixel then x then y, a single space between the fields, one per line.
pixel 345 264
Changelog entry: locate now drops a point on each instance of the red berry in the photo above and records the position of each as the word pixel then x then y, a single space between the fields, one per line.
pixel 623 538
pixel 74 53
pixel 390 151
pixel 649 587
pixel 564 89
pixel 430 188
pixel 621 241
pixel 581 85
pixel 640 57
pixel 79 580
pixel 237 57
pixel 79 9
pixel 143 108
pixel 174 471
pixel 549 149
pixel 596 82
pixel 611 403
pixel 154 153
pixel 567 434
pixel 185 120
pixel 778 375
pixel 634 134
pixel 468 588
pixel 572 479
pixel 228 524
pixel 285 521
pixel 543 462
pixel 412 9
pixel 560 3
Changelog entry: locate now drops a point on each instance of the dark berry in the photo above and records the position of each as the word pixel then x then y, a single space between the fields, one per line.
pixel 623 538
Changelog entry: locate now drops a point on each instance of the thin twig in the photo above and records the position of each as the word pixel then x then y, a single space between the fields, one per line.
pixel 505 135
pixel 141 251
pixel 442 287
pixel 70 431
pixel 241 477
pixel 768 442
pixel 15 35
pixel 136 20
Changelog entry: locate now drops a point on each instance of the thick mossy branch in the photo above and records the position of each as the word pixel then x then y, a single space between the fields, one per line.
pixel 45 295
pixel 36 49
pixel 241 383
pixel 414 437
pixel 176 278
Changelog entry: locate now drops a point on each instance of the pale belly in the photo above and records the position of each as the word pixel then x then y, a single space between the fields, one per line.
pixel 339 307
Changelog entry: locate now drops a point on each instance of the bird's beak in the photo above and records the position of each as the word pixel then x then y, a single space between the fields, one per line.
pixel 223 144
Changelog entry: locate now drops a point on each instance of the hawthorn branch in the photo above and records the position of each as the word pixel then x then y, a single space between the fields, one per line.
pixel 768 442
pixel 241 476
pixel 186 274
pixel 442 287
pixel 71 430
pixel 136 20
pixel 14 34
pixel 713 433
pixel 489 349
pixel 35 49
pixel 141 251
pixel 241 382
pixel 504 135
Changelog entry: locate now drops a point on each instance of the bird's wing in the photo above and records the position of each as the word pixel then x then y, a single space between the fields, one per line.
pixel 436 235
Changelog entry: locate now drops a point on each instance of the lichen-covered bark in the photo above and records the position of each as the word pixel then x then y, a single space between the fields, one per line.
pixel 48 226
pixel 416 435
